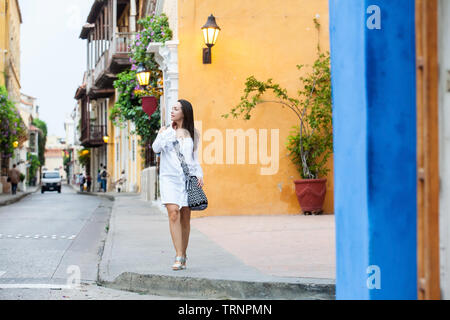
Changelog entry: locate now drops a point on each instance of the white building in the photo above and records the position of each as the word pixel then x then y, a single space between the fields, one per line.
pixel 54 159
pixel 71 126
pixel 28 111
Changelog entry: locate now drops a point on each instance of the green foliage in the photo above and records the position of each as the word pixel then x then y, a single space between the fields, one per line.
pixel 12 127
pixel 67 158
pixel 34 165
pixel 129 102
pixel 311 143
pixel 129 107
pixel 22 177
pixel 84 158
pixel 42 139
pixel 155 29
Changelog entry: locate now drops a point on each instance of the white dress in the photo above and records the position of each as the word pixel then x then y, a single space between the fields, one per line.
pixel 171 176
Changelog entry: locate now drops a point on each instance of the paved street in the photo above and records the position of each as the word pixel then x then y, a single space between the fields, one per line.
pixel 45 236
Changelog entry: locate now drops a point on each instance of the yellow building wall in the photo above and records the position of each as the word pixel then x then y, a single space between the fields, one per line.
pixel 266 39
pixel 10 21
pixel 111 154
pixel 130 168
pixel 134 166
pixel 3 37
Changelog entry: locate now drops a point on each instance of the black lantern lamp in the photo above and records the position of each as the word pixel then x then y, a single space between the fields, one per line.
pixel 210 33
pixel 143 75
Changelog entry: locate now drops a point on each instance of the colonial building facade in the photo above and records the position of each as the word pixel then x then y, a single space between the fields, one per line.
pixel 110 28
pixel 10 21
pixel 246 167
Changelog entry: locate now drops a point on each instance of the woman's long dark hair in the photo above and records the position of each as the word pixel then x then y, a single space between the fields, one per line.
pixel 188 121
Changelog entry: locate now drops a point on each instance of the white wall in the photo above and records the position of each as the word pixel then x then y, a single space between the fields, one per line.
pixel 170 8
pixel 444 146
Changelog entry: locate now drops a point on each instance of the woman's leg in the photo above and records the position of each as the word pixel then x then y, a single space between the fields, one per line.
pixel 185 220
pixel 175 227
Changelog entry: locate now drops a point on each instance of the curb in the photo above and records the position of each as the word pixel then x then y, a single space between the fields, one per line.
pixel 109 197
pixel 16 199
pixel 202 288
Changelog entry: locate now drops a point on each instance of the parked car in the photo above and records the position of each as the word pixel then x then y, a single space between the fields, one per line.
pixel 51 181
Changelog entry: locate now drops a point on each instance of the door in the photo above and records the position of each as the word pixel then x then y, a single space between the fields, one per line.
pixel 427 149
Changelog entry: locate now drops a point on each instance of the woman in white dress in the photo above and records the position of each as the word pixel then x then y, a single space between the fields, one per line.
pixel 171 178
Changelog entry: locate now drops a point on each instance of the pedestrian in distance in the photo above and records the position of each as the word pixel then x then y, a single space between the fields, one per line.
pixel 88 182
pixel 121 181
pixel 14 178
pixel 104 177
pixel 82 181
pixel 99 180
pixel 172 179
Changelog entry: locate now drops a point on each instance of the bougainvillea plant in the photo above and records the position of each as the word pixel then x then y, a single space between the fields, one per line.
pixel 12 127
pixel 129 103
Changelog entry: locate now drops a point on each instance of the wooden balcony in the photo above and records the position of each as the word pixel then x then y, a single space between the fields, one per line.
pixel 95 92
pixel 113 60
pixel 108 36
pixel 92 135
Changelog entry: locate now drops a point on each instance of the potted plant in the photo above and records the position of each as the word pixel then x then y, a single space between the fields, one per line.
pixel 311 142
pixel 21 184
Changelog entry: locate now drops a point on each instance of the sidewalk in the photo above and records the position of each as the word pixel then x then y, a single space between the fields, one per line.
pixel 8 198
pixel 229 257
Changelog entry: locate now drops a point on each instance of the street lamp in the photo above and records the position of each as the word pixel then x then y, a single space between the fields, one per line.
pixel 149 103
pixel 143 75
pixel 106 139
pixel 210 33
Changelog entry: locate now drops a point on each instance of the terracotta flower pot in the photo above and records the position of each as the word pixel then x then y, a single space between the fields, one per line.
pixel 311 194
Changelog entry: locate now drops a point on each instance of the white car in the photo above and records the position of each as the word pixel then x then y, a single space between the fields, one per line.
pixel 51 181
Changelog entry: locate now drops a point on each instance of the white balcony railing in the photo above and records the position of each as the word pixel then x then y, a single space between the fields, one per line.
pixel 101 65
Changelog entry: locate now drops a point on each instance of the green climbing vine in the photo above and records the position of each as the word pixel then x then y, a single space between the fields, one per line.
pixel 129 103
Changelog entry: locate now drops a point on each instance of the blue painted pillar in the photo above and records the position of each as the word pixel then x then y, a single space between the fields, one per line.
pixel 374 128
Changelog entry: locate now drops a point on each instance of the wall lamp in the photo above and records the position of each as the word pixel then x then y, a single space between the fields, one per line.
pixel 149 103
pixel 143 75
pixel 210 33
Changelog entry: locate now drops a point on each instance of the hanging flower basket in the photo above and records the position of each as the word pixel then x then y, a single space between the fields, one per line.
pixel 149 105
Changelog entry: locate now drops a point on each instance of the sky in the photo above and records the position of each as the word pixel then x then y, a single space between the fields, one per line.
pixel 53 57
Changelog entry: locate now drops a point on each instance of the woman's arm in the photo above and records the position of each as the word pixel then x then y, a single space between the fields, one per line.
pixel 161 141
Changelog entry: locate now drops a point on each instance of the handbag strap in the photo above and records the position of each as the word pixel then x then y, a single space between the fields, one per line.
pixel 184 166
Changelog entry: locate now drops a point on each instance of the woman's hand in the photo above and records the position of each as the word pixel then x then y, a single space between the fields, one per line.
pixel 162 129
pixel 200 181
